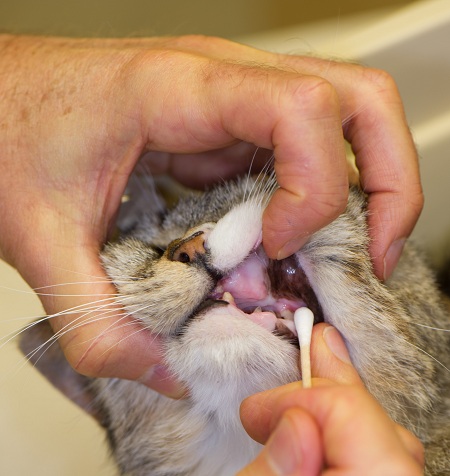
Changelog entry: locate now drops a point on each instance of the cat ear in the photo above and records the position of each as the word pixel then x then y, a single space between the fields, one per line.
pixel 38 344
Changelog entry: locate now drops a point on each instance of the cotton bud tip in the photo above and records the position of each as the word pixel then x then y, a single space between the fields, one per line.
pixel 304 321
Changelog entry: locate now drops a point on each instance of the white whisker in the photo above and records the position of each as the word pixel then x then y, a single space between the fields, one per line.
pixel 431 327
pixel 429 355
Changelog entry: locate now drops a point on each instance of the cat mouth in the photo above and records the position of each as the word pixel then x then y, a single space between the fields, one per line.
pixel 268 292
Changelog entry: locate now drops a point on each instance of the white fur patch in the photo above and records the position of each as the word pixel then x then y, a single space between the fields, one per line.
pixel 236 235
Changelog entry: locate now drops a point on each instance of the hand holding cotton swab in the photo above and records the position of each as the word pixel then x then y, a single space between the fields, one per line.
pixel 304 321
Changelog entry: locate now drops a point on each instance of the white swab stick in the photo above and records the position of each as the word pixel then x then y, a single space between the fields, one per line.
pixel 304 321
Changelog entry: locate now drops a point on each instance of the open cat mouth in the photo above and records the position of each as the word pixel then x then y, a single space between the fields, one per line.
pixel 268 292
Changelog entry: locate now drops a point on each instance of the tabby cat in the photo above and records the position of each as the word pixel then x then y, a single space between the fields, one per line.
pixel 197 274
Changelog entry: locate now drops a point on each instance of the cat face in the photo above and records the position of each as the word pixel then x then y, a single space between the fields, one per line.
pixel 204 262
pixel 209 264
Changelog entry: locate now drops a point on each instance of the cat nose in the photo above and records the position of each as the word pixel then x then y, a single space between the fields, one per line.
pixel 187 250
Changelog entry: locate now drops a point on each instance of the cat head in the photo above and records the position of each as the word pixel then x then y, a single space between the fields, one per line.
pixel 198 275
pixel 207 252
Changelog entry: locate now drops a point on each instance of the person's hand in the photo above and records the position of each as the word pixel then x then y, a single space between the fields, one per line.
pixel 334 428
pixel 76 115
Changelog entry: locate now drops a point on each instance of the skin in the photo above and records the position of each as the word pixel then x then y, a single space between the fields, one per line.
pixel 77 115
pixel 335 428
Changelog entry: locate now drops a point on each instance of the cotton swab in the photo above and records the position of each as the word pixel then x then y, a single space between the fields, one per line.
pixel 304 321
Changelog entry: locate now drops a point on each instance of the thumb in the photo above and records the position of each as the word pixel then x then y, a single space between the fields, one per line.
pixel 288 451
pixel 329 356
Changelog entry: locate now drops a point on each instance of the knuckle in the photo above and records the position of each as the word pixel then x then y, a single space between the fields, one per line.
pixel 312 92
pixel 380 81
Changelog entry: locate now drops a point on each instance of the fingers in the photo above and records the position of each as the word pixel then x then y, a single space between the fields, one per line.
pixel 351 415
pixel 374 123
pixel 336 426
pixel 295 115
pixel 301 107
pixel 412 444
pixel 329 357
pixel 293 448
pixel 346 429
pixel 310 166
pixel 388 164
pixel 330 363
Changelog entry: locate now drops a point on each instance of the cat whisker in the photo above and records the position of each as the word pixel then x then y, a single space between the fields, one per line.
pixel 439 329
pixel 75 283
pixel 94 307
pixel 36 291
pixel 83 308
pixel 248 176
pixel 70 328
pixel 262 185
pixel 123 325
pixel 429 355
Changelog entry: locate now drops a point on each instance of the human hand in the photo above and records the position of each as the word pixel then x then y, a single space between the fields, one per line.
pixel 76 115
pixel 334 428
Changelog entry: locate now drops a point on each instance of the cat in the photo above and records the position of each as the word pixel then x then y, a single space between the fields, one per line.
pixel 198 275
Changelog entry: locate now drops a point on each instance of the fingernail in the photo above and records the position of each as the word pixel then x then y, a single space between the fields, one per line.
pixel 291 247
pixel 283 455
pixel 392 257
pixel 336 344
pixel 161 380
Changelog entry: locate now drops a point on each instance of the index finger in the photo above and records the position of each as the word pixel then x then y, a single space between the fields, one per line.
pixel 374 123
pixel 299 117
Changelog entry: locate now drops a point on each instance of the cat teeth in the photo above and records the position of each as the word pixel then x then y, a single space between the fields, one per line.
pixel 258 309
pixel 228 297
pixel 287 314
pixel 284 326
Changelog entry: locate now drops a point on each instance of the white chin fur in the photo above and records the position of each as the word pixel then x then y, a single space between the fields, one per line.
pixel 235 235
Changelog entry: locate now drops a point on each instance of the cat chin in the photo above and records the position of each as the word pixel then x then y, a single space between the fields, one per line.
pixel 224 356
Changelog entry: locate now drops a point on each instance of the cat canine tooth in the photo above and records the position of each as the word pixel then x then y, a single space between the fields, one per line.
pixel 304 321
pixel 258 309
pixel 228 297
pixel 287 314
